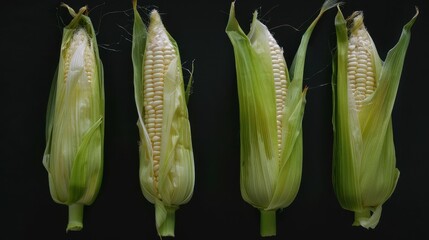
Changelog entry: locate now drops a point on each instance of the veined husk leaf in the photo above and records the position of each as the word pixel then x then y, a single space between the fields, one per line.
pixel 75 120
pixel 364 161
pixel 176 172
pixel 268 180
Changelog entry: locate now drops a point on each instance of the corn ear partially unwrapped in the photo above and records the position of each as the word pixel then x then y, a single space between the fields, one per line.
pixel 271 105
pixel 75 120
pixel 166 157
pixel 364 90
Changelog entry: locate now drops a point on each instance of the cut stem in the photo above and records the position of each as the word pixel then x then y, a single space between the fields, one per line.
pixel 75 217
pixel 359 215
pixel 268 223
pixel 167 228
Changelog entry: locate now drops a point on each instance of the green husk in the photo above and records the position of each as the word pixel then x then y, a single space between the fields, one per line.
pixel 176 170
pixel 364 161
pixel 73 155
pixel 268 182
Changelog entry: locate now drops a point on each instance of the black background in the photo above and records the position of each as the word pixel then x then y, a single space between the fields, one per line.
pixel 30 37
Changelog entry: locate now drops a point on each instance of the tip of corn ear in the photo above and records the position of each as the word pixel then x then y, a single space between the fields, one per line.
pixel 154 16
pixel 355 21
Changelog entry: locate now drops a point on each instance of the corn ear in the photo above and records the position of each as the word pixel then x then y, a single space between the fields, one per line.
pixel 271 105
pixel 73 156
pixel 364 90
pixel 166 157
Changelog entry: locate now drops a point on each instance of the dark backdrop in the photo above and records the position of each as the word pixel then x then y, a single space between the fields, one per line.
pixel 29 48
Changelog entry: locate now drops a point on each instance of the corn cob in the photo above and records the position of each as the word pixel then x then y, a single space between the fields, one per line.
pixel 75 128
pixel 364 91
pixel 361 67
pixel 166 156
pixel 272 102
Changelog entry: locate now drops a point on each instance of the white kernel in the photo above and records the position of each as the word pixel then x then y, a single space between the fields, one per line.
pixel 157 74
pixel 158 62
pixel 157 79
pixel 361 61
pixel 351 68
pixel 360 97
pixel 157 103
pixel 361 89
pixel 157 50
pixel 353 61
pixel 149 95
pixel 151 120
pixel 148 90
pixel 351 78
pixel 158 65
pixel 157 84
pixel 361 70
pixel 158 57
pixel 158 70
pixel 152 111
pixel 362 66
pixel 360 84
pixel 148 76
